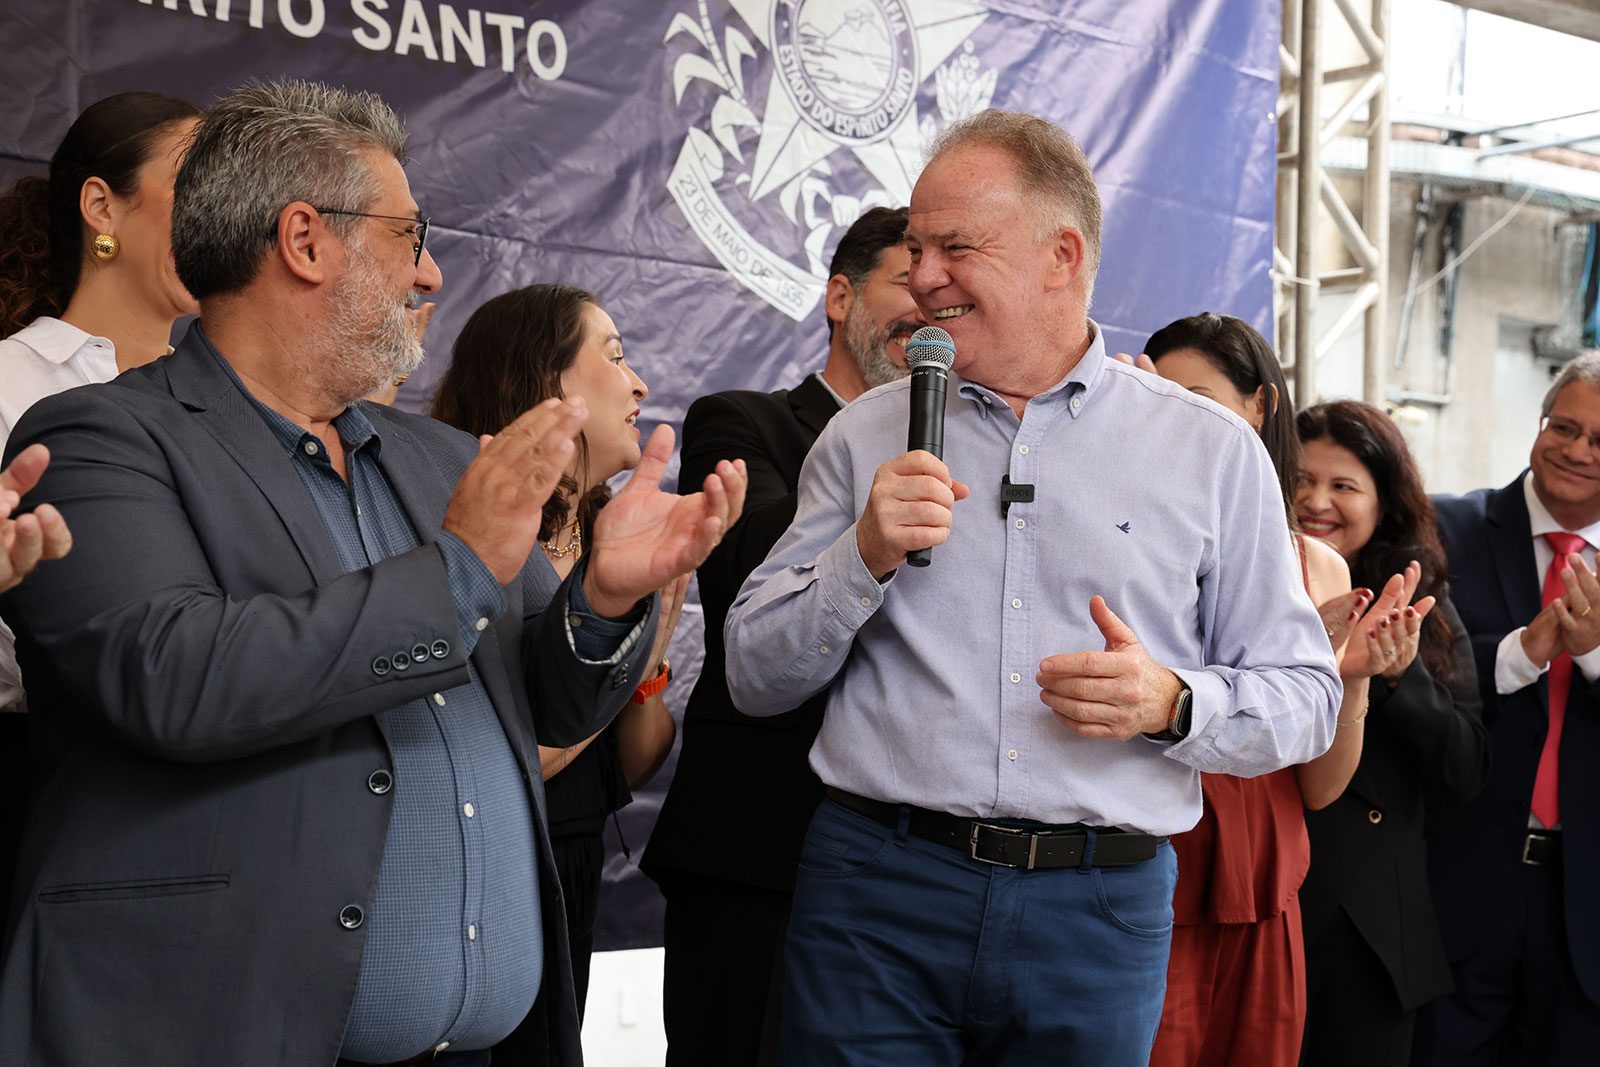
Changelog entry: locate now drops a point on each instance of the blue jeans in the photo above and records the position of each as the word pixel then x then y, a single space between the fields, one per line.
pixel 902 951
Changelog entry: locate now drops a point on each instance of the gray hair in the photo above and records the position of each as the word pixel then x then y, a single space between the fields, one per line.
pixel 1050 165
pixel 260 148
pixel 1585 369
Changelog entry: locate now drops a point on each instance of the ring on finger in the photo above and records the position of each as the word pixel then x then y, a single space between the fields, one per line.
pixel 1585 611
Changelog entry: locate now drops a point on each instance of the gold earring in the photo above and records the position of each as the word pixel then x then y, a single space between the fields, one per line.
pixel 105 247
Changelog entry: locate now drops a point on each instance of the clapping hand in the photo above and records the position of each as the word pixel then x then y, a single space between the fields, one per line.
pixel 672 596
pixel 1341 612
pixel 645 536
pixel 1384 640
pixel 1568 623
pixel 1580 623
pixel 27 539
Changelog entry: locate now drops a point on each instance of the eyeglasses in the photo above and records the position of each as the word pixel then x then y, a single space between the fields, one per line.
pixel 419 227
pixel 1566 431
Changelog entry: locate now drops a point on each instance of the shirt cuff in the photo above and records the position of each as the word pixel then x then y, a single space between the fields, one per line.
pixel 1513 670
pixel 596 640
pixel 1588 664
pixel 478 598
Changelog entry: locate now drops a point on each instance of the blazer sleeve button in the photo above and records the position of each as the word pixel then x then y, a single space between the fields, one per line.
pixel 380 666
pixel 440 649
pixel 380 781
pixel 351 916
pixel 401 661
pixel 419 653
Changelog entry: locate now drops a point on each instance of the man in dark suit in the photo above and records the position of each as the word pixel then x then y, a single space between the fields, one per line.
pixel 288 686
pixel 725 846
pixel 1516 873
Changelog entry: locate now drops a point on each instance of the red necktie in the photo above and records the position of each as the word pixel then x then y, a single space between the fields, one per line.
pixel 1546 786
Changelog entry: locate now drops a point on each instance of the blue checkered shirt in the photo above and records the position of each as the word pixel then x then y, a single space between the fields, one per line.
pixel 454 950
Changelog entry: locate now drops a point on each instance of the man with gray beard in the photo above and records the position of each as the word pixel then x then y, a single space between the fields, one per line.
pixel 288 686
pixel 727 908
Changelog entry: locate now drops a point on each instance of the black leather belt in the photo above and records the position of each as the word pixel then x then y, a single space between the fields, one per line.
pixel 1542 848
pixel 1023 847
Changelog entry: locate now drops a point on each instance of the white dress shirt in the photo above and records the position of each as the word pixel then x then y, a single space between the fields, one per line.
pixel 1513 670
pixel 45 357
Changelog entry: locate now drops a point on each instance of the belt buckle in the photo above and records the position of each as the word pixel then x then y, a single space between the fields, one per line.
pixel 1009 831
pixel 1527 848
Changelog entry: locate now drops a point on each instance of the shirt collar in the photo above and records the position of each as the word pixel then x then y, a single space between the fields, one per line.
pixel 1542 522
pixel 1074 390
pixel 59 341
pixel 354 428
pixel 837 399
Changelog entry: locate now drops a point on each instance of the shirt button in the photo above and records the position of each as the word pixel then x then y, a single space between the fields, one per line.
pixel 351 916
pixel 311 448
pixel 822 649
pixel 468 810
pixel 481 625
pixel 1023 450
pixel 986 401
pixel 441 1046
pixel 1016 678
pixel 438 698
pixel 866 602
pixel 1016 602
pixel 1022 524
pixel 1374 816
pixel 1011 754
pixel 1077 402
pixel 472 932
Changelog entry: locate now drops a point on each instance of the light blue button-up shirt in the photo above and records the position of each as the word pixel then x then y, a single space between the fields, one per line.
pixel 1159 500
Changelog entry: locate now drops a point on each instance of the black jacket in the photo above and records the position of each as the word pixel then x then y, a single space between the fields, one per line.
pixel 1475 850
pixel 1423 739
pixel 743 793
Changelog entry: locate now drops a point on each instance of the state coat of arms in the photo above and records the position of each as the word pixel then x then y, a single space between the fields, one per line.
pixel 845 76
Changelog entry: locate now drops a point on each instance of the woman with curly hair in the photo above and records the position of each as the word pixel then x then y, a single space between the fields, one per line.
pixel 1373 950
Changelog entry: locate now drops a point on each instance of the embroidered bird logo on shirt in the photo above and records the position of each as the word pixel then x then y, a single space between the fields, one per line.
pixel 1125 527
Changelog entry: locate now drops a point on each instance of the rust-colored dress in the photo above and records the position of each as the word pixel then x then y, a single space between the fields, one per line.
pixel 1236 980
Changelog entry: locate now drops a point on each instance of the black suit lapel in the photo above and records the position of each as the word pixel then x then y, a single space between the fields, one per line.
pixel 1510 533
pixel 200 384
pixel 813 405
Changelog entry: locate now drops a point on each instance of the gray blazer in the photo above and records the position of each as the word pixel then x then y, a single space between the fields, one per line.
pixel 200 676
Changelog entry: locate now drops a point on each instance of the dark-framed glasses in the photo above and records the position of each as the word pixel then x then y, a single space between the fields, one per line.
pixel 418 227
pixel 1566 431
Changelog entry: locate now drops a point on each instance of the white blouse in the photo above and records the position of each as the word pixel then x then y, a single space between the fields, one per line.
pixel 46 356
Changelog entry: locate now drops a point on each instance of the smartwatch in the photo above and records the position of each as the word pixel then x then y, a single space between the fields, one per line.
pixel 1179 721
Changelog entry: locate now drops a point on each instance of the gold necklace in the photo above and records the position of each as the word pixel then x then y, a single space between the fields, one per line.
pixel 571 548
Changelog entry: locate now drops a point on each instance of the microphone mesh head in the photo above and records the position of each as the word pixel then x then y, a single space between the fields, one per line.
pixel 930 345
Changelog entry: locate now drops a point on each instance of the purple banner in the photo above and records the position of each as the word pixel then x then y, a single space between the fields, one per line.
pixel 694 161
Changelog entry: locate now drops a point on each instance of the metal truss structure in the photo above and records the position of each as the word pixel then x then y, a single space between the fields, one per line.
pixel 1306 192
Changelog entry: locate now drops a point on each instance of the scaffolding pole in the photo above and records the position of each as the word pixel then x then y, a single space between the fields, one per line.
pixel 1309 203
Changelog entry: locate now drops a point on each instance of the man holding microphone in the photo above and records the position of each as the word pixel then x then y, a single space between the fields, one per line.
pixel 1113 605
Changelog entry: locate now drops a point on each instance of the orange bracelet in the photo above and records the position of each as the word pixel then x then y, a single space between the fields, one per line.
pixel 655 685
